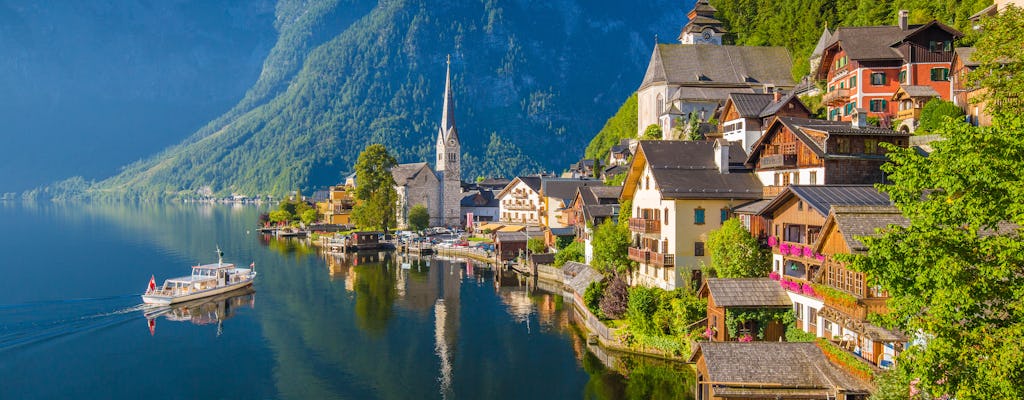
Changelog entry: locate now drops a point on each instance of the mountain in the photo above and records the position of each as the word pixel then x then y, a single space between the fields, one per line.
pixel 532 81
pixel 90 86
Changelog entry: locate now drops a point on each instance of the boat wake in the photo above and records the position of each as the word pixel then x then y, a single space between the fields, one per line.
pixel 32 323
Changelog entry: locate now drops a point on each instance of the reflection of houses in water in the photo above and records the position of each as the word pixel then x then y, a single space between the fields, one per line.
pixel 206 311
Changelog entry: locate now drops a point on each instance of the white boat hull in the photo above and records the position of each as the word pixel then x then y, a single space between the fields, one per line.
pixel 168 300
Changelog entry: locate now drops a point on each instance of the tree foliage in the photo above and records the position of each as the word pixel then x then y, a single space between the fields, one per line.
pixel 573 252
pixel 616 299
pixel 419 217
pixel 956 273
pixel 536 245
pixel 652 132
pixel 620 126
pixel 735 253
pixel 375 190
pixel 611 248
pixel 935 112
pixel 592 297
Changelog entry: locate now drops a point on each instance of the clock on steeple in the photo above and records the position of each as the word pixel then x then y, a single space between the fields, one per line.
pixel 702 28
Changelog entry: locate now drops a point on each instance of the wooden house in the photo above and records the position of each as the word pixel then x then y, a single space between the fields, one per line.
pixel 844 317
pixel 910 99
pixel 726 296
pixel 745 115
pixel 818 152
pixel 767 370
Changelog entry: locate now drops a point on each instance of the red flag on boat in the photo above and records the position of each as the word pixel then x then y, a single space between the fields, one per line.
pixel 152 283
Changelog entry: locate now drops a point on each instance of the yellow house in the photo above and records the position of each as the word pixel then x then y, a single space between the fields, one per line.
pixel 338 207
pixel 681 191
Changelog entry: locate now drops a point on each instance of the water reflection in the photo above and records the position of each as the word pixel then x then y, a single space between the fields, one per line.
pixel 206 311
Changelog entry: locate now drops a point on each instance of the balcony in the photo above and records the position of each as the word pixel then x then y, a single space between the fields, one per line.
pixel 912 113
pixel 836 97
pixel 778 161
pixel 520 194
pixel 644 256
pixel 772 191
pixel 521 207
pixel 643 225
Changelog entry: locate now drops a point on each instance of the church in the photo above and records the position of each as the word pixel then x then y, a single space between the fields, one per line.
pixel 438 189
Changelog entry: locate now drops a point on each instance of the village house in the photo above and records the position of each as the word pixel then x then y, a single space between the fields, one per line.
pixel 850 296
pixel 765 370
pixel 966 96
pixel 619 154
pixel 520 202
pixel 863 67
pixel 680 191
pixel 729 298
pixel 818 152
pixel 481 205
pixel 337 208
pixel 695 76
pixel 556 194
pixel 745 115
pixel 591 207
pixel 910 99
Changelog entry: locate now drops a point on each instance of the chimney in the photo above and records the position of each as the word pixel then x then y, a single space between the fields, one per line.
pixel 859 118
pixel 722 155
pixel 903 19
pixel 778 96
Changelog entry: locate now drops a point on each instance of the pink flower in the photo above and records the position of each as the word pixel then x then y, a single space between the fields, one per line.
pixel 807 252
pixel 819 257
pixel 914 391
pixel 772 241
pixel 807 289
pixel 795 250
pixel 746 338
pixel 773 276
pixel 709 333
pixel 784 248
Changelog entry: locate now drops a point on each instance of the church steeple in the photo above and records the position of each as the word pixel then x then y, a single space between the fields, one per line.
pixel 702 28
pixel 448 130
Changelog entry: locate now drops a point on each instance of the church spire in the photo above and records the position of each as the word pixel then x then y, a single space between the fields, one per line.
pixel 448 130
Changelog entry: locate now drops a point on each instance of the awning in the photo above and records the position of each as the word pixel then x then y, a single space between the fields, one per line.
pixel 512 228
pixel 491 227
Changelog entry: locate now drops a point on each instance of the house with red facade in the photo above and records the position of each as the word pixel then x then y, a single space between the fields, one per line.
pixel 863 67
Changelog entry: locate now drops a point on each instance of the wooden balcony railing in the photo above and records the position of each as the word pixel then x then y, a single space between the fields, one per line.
pixel 836 97
pixel 778 161
pixel 772 191
pixel 521 207
pixel 912 113
pixel 643 225
pixel 652 258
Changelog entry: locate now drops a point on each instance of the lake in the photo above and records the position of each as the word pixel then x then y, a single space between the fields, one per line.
pixel 314 326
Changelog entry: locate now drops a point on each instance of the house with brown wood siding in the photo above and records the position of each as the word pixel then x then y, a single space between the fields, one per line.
pixel 727 296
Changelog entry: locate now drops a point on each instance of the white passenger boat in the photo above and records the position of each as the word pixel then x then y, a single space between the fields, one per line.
pixel 206 280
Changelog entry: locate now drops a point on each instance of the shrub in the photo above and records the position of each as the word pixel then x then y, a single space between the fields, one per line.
pixel 643 303
pixel 934 114
pixel 615 299
pixel 592 297
pixel 572 252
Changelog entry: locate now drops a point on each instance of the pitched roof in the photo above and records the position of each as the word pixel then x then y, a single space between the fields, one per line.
pixel 750 104
pixel 775 106
pixel 823 197
pixel 565 189
pixel 814 133
pixel 919 91
pixel 966 56
pixel 767 369
pixel 863 221
pixel 533 182
pixel 823 42
pixel 747 292
pixel 752 208
pixel 402 173
pixel 543 258
pixel 585 275
pixel 870 42
pixel 687 170
pixel 741 66
pixel 485 196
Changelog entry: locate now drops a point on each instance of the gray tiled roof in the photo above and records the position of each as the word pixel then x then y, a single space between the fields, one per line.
pixel 740 65
pixel 532 181
pixel 750 104
pixel 774 107
pixel 572 268
pixel 863 221
pixel 753 207
pixel 816 143
pixel 585 275
pixel 823 41
pixel 469 198
pixel 565 189
pixel 870 42
pixel 919 90
pixel 404 172
pixel 687 170
pixel 747 292
pixel 966 56
pixel 543 258
pixel 823 197
pixel 783 367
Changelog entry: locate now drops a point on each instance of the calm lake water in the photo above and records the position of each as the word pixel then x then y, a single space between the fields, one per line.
pixel 315 326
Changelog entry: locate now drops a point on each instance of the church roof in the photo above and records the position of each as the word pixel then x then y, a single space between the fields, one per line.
pixel 403 173
pixel 823 42
pixel 719 66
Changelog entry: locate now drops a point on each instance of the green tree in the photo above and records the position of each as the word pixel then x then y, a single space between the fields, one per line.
pixel 572 252
pixel 935 113
pixel 592 297
pixel 536 245
pixel 309 216
pixel 419 217
pixel 278 216
pixel 611 248
pixel 955 273
pixel 562 241
pixel 652 132
pixel 735 253
pixel 375 190
pixel 620 126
